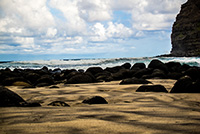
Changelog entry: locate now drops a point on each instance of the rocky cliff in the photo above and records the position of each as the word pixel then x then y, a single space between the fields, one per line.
pixel 186 30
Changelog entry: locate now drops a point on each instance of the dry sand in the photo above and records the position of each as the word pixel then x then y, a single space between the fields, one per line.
pixel 128 112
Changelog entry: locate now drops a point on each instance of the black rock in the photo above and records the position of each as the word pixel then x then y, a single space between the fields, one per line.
pixel 102 76
pixel 95 100
pixel 32 77
pixel 193 72
pixel 122 74
pixel 157 73
pixel 174 75
pixel 57 70
pixel 68 74
pixel 114 69
pixel 81 70
pixel 45 79
pixel 134 81
pixel 196 87
pixel 152 88
pixel 80 78
pixel 183 85
pixel 9 98
pixel 94 70
pixel 68 71
pixel 45 68
pixel 6 74
pixel 58 103
pixel 138 66
pixel 157 64
pixel 57 77
pixel 173 66
pixel 126 65
pixel 141 72
pixel 185 67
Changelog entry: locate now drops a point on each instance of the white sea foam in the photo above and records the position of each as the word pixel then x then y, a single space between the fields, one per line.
pixel 85 63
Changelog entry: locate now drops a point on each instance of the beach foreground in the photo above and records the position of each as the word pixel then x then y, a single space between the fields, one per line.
pixel 127 111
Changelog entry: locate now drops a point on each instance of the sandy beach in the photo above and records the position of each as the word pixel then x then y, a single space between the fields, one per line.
pixel 127 111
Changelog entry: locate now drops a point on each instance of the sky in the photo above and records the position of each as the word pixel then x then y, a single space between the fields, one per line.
pixel 56 29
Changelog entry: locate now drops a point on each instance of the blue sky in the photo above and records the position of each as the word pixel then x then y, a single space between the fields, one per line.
pixel 56 29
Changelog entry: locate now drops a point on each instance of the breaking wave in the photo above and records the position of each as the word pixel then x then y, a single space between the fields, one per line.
pixel 85 63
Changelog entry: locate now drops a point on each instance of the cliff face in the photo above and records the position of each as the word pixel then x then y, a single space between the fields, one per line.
pixel 186 30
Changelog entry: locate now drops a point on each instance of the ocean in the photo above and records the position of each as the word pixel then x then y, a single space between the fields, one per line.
pixel 86 63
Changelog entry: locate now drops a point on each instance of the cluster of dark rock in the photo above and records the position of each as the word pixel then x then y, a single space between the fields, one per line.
pixel 188 77
pixel 136 74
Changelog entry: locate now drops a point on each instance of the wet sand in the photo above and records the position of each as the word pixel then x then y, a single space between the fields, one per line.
pixel 127 111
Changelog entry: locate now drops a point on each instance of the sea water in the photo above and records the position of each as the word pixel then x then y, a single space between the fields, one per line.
pixel 86 63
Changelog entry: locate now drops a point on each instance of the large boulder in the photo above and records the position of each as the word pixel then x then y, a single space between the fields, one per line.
pixel 142 72
pixel 80 78
pixel 174 75
pixel 183 85
pixel 102 76
pixel 122 74
pixel 157 64
pixel 186 85
pixel 114 69
pixel 32 77
pixel 152 88
pixel 126 65
pixel 193 72
pixel 70 73
pixel 7 73
pixel 95 100
pixel 94 70
pixel 47 79
pixel 138 66
pixel 196 87
pixel 173 66
pixel 9 98
pixel 159 74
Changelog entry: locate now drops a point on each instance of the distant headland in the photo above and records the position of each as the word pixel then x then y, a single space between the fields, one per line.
pixel 185 35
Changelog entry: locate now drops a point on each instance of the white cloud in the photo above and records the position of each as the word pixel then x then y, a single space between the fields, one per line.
pixel 27 43
pixel 164 6
pixel 73 23
pixel 113 30
pixel 127 4
pixel 149 21
pixel 28 14
pixel 150 14
pixel 155 14
pixel 99 32
pixel 95 10
pixel 118 30
pixel 51 32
